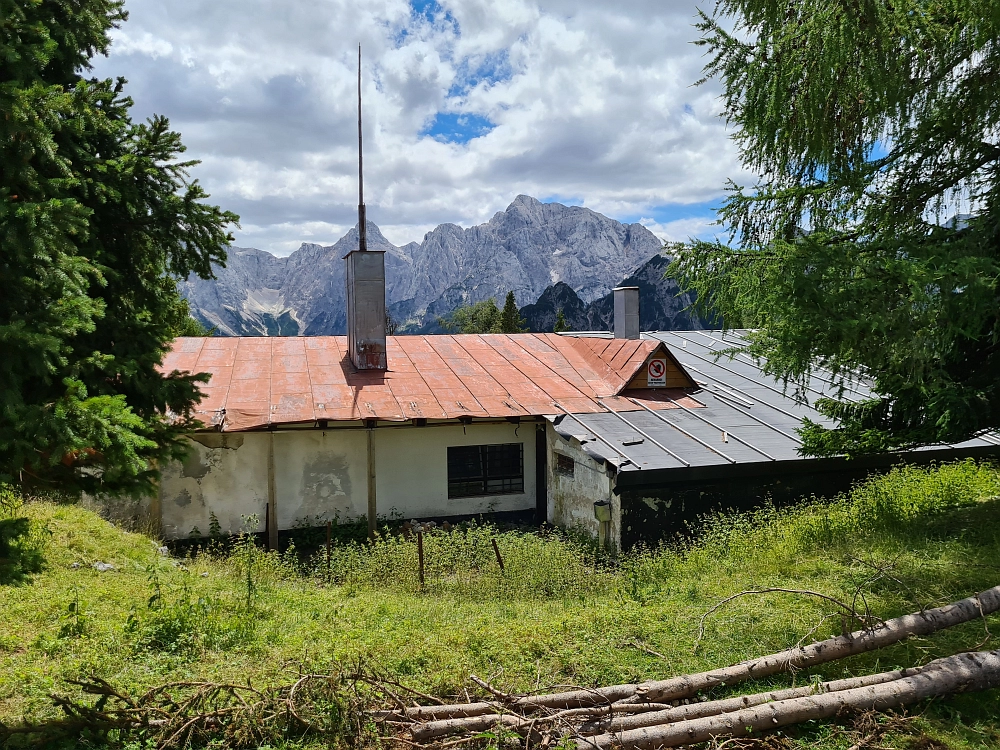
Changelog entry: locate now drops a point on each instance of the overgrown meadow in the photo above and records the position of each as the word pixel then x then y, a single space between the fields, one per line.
pixel 561 612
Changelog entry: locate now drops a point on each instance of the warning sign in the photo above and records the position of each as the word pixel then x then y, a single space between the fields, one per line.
pixel 656 373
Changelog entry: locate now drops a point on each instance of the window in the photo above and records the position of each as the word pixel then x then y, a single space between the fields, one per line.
pixel 565 465
pixel 485 469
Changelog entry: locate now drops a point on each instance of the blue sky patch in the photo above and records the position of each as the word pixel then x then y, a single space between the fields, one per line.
pixel 425 8
pixel 668 212
pixel 457 128
pixel 492 69
pixel 566 200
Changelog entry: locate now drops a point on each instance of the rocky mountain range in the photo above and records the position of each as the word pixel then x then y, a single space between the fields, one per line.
pixel 661 308
pixel 546 253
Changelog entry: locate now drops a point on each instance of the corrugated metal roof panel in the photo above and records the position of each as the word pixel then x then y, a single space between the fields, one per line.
pixel 757 414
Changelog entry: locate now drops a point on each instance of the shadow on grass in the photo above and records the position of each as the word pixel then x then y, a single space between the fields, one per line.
pixel 22 548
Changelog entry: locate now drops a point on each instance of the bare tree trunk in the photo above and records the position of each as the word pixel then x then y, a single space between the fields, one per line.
pixel 664 691
pixel 736 703
pixel 637 714
pixel 978 671
pixel 891 631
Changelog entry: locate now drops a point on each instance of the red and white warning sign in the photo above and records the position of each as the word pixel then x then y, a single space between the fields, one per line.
pixel 656 373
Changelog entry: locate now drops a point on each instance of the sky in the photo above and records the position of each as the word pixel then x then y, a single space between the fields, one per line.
pixel 467 104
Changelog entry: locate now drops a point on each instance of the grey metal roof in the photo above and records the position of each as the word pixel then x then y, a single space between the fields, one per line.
pixel 748 417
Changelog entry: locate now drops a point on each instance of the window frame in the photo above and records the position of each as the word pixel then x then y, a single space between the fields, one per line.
pixel 493 470
pixel 565 465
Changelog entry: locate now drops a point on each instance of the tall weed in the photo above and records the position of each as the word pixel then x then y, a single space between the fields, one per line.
pixel 912 507
pixel 463 562
pixel 179 622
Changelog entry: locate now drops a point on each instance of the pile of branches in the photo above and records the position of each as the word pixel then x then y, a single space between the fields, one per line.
pixel 190 714
pixel 672 712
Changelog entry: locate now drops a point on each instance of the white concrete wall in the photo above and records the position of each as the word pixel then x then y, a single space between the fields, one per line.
pixel 571 499
pixel 412 469
pixel 322 475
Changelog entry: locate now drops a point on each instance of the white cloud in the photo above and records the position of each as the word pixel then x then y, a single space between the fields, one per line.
pixel 681 230
pixel 591 100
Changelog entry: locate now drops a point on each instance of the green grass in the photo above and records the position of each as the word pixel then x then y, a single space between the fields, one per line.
pixel 561 614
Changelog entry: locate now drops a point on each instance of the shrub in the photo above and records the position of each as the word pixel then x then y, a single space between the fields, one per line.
pixel 180 623
pixel 22 540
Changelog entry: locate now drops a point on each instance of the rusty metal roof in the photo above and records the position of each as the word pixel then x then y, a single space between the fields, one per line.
pixel 259 381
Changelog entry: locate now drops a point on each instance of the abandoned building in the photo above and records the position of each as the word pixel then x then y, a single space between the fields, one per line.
pixel 623 434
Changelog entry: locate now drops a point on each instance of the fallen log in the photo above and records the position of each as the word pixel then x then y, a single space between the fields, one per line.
pixel 433 729
pixel 600 719
pixel 964 672
pixel 448 711
pixel 831 649
pixel 661 691
pixel 698 710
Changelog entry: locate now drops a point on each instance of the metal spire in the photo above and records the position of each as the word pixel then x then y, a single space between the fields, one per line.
pixel 362 220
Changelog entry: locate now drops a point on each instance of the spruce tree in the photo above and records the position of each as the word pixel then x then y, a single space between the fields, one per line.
pixel 98 217
pixel 480 317
pixel 510 317
pixel 560 324
pixel 871 244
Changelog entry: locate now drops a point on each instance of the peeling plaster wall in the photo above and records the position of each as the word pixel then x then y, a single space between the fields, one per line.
pixel 571 499
pixel 223 474
pixel 319 476
pixel 322 475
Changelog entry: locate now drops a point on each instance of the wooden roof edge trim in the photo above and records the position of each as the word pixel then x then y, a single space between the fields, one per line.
pixel 678 365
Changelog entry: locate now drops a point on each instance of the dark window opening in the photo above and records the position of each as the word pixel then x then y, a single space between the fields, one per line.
pixel 485 470
pixel 565 465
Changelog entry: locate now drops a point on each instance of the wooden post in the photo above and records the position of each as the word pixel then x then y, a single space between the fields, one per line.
pixel 420 558
pixel 272 510
pixel 496 551
pixel 329 527
pixel 372 505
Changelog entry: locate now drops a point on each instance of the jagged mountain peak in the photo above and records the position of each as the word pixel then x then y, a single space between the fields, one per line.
pixel 525 249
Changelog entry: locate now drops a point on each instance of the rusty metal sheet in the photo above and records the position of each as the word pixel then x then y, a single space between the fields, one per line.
pixel 629 348
pixel 327 375
pixel 301 379
pixel 254 347
pixel 589 367
pixel 333 403
pixel 289 382
pixel 248 390
pixel 213 399
pixel 187 345
pixel 577 405
pixel 377 402
pixel 323 351
pixel 246 417
pixel 183 356
pixel 220 375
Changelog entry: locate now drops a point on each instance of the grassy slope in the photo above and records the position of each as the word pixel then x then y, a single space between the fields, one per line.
pixel 559 616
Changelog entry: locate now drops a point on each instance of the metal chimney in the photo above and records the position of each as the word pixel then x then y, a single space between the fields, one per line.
pixel 626 312
pixel 365 283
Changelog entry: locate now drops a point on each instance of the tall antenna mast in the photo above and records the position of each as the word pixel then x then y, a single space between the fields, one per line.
pixel 362 220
